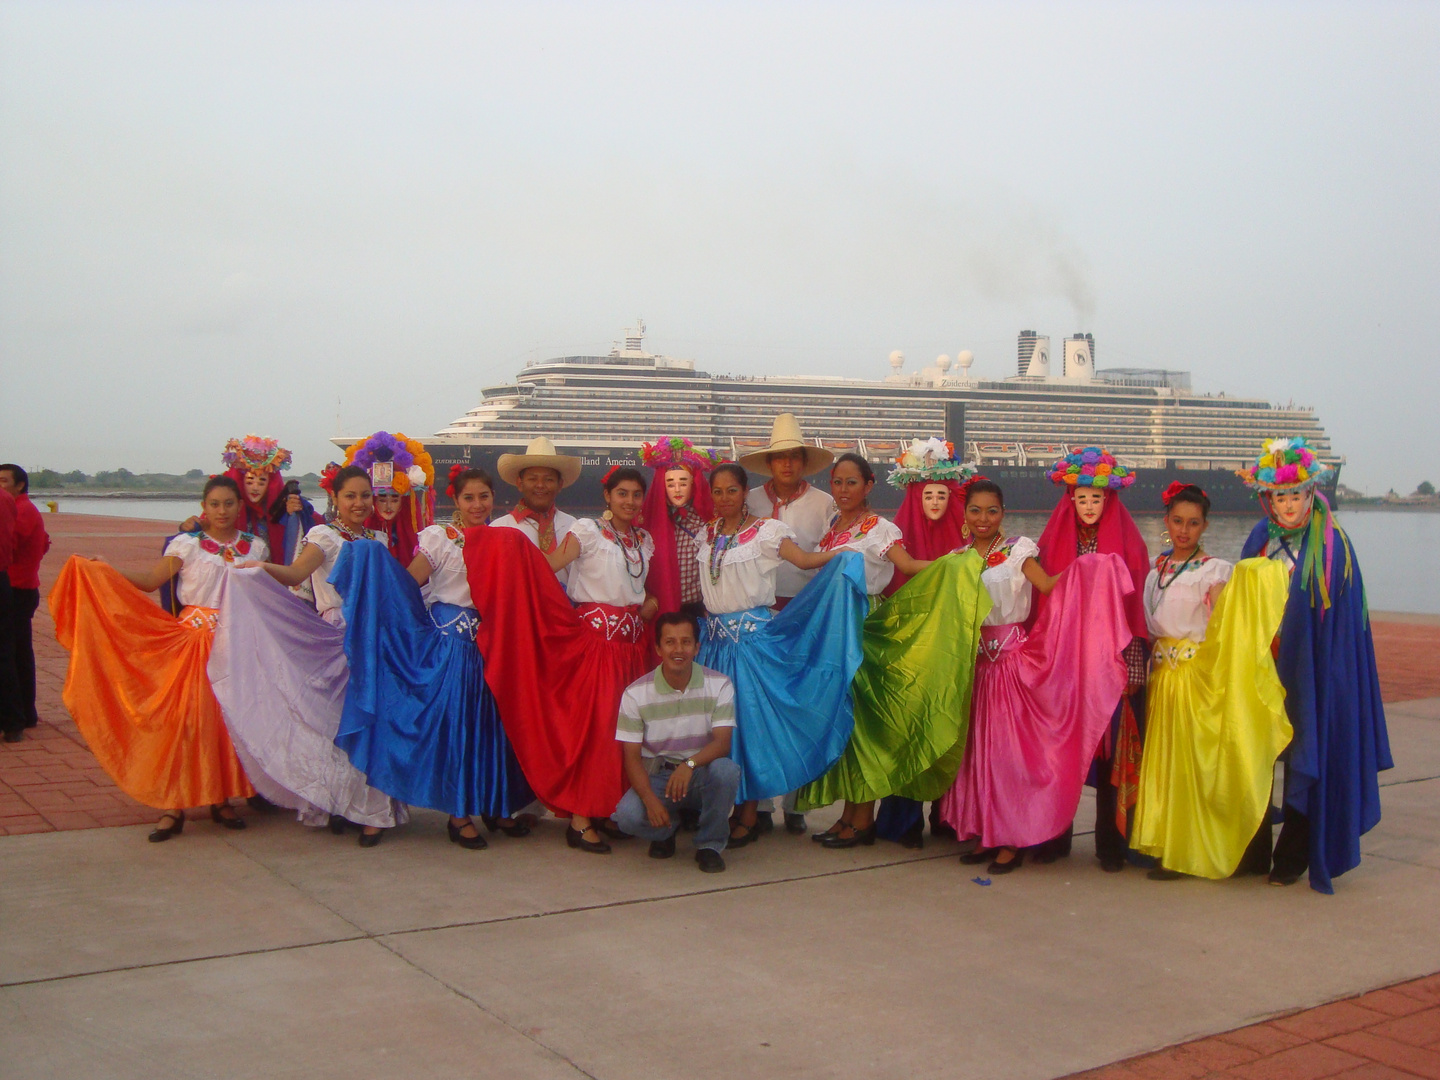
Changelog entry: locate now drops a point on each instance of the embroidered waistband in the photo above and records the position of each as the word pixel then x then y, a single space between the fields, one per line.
pixel 995 640
pixel 201 618
pixel 450 619
pixel 734 625
pixel 614 622
pixel 1172 652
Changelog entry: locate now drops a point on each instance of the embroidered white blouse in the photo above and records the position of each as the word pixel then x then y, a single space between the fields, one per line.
pixel 807 517
pixel 444 549
pixel 873 537
pixel 206 561
pixel 563 524
pixel 747 576
pixel 1010 590
pixel 1182 608
pixel 327 601
pixel 606 573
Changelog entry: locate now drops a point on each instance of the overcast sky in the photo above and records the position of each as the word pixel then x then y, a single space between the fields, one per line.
pixel 301 218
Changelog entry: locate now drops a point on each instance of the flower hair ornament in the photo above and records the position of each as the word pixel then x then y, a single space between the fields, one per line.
pixel 455 471
pixel 929 461
pixel 677 453
pixel 254 453
pixel 1176 487
pixel 1284 464
pixel 1092 467
pixel 408 466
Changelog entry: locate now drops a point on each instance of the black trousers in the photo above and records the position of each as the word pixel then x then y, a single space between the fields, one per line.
pixel 23 605
pixel 1291 855
pixel 12 714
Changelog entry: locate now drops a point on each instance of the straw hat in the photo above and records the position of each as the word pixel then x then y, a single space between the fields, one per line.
pixel 541 451
pixel 785 435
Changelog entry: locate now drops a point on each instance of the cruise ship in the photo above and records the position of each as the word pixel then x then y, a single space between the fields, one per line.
pixel 602 408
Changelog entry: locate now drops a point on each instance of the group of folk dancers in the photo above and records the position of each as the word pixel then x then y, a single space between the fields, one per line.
pixel 707 646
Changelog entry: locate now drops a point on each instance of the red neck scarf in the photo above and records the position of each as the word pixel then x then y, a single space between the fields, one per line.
pixel 1115 534
pixel 776 502
pixel 544 524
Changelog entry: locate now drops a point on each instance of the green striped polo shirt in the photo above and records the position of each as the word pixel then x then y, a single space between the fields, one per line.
pixel 672 724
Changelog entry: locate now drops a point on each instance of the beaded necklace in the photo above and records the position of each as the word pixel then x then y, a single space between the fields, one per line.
pixel 347 535
pixel 635 568
pixel 1160 570
pixel 720 544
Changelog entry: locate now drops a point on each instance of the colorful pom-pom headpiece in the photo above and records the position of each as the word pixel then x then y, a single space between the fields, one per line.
pixel 394 462
pixel 1284 464
pixel 678 453
pixel 254 453
pixel 1091 467
pixel 929 461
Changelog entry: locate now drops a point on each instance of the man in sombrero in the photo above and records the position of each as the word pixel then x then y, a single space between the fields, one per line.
pixel 539 473
pixel 787 496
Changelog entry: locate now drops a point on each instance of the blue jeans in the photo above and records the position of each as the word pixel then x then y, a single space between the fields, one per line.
pixel 712 792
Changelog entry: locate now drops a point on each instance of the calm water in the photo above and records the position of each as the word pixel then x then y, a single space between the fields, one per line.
pixel 1393 584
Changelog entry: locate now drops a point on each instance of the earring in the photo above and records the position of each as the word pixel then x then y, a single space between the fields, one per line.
pixel 606 516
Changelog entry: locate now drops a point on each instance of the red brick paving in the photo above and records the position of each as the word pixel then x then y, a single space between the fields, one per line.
pixel 1406 654
pixel 1387 1033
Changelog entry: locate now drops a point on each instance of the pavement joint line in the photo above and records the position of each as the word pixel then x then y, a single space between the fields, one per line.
pixel 478 1005
pixel 1412 780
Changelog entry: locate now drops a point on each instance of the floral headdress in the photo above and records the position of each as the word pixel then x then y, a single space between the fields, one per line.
pixel 929 461
pixel 254 453
pixel 411 467
pixel 1284 463
pixel 675 453
pixel 1091 467
pixel 327 477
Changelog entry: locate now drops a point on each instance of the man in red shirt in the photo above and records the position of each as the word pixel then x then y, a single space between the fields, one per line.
pixel 30 542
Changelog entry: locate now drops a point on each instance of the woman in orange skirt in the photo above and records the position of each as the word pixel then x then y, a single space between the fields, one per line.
pixel 137 686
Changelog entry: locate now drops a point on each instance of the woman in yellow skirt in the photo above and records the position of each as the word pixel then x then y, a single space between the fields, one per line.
pixel 137 686
pixel 1215 708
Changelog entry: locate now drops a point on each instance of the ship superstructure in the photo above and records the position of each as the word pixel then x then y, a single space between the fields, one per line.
pixel 603 407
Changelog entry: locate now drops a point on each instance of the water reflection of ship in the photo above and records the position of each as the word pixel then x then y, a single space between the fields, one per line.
pixel 602 408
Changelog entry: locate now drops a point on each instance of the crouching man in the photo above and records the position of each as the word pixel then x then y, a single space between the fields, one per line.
pixel 675 727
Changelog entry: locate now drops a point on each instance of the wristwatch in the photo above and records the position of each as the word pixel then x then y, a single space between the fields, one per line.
pixel 691 762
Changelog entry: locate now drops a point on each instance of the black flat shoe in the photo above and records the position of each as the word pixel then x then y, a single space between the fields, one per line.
pixel 14 734
pixel 821 837
pixel 857 837
pixel 606 827
pixel 162 833
pixel 914 837
pixel 1161 874
pixel 1006 867
pixel 749 836
pixel 1277 878
pixel 576 839
pixel 371 839
pixel 795 824
pixel 337 824
pixel 979 855
pixel 515 828
pixel 260 803
pixel 231 822
pixel 1112 864
pixel 709 860
pixel 470 843
pixel 663 849
pixel 764 822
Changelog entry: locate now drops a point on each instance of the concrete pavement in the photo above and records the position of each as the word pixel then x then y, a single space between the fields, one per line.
pixel 282 951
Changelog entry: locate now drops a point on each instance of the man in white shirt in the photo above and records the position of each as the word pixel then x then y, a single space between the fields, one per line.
pixel 788 497
pixel 539 473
